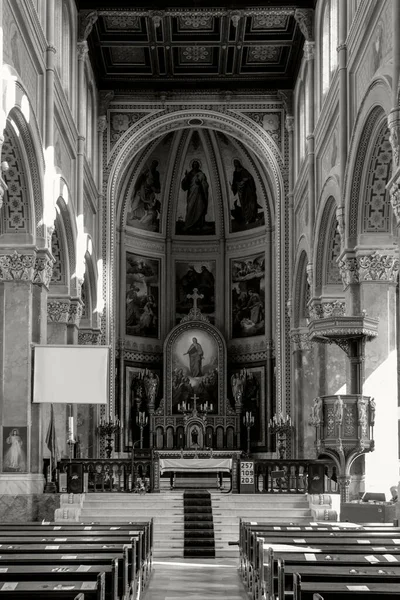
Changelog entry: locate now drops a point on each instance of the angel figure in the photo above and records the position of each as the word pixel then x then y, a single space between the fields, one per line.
pixel 151 382
pixel 362 412
pixel 238 381
pixel 372 408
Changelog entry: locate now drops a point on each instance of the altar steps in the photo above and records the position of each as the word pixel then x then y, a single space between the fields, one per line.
pixel 167 511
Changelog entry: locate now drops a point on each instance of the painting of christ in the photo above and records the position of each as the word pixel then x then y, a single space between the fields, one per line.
pixel 195 370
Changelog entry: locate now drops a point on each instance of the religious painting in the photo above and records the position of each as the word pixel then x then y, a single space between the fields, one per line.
pixel 141 384
pixel 190 276
pixel 246 212
pixel 142 296
pixel 248 296
pixel 195 209
pixel 15 449
pixel 194 355
pixel 144 206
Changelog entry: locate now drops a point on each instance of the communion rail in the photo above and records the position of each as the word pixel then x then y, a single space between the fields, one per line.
pixel 286 476
pixel 295 476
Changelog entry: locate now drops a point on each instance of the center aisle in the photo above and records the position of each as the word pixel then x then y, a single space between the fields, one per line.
pixel 197 579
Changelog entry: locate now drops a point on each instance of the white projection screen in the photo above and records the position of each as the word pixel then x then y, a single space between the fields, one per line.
pixel 70 374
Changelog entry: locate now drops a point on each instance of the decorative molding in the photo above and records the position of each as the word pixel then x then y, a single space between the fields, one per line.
pixel 89 337
pixel 378 267
pixel 394 138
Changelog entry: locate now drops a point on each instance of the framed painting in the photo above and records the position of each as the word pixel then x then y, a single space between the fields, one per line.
pixel 253 401
pixel 191 275
pixel 15 449
pixel 194 358
pixel 142 297
pixel 248 296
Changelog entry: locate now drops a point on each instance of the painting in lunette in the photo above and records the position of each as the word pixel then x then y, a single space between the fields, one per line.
pixel 195 370
pixel 195 275
pixel 248 296
pixel 142 296
pixel 144 208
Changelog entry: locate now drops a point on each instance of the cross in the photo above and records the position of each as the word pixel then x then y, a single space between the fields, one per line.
pixel 195 296
pixel 194 398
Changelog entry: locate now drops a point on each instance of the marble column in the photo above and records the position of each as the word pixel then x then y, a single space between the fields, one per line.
pixel 378 273
pixel 343 94
pixel 25 275
pixel 305 378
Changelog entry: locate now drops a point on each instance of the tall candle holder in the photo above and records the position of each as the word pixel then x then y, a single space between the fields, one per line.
pixel 141 420
pixel 280 426
pixel 248 422
pixel 108 429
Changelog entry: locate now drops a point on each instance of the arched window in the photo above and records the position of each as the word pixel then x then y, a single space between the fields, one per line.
pixel 329 42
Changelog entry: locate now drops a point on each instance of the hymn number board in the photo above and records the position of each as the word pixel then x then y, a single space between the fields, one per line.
pixel 247 479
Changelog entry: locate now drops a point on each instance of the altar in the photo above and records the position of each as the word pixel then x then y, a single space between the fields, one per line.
pixel 196 463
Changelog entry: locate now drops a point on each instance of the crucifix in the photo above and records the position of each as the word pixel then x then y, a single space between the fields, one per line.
pixel 195 296
pixel 194 398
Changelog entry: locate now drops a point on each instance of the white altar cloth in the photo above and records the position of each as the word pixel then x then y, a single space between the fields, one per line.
pixel 199 465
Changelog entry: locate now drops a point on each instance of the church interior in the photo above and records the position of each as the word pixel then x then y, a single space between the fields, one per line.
pixel 199 264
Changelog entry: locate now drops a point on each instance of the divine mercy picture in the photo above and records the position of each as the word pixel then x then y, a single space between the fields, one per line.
pixel 195 369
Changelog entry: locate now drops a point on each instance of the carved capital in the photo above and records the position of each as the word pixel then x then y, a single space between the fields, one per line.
pixel 324 310
pixel 305 20
pixel 43 269
pixel 75 312
pixel 395 201
pixel 57 311
pixel 87 18
pixel 378 267
pixel 309 50
pixel 17 267
pixel 83 50
pixel 289 123
pixel 301 341
pixel 102 124
pixel 89 337
pixel 348 270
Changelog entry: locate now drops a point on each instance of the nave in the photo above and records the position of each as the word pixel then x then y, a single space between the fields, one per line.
pixel 196 579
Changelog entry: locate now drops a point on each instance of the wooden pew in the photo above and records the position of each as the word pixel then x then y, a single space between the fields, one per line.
pixel 66 573
pixel 341 591
pixel 43 590
pixel 334 572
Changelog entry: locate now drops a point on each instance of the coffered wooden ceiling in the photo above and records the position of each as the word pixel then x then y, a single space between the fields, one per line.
pixel 236 46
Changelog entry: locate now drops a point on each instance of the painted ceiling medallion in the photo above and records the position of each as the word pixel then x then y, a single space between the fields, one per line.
pixel 270 21
pixel 124 22
pixel 264 54
pixel 195 54
pixel 195 22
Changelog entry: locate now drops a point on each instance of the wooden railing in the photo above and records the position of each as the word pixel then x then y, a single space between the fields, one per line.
pixel 294 476
pixel 114 474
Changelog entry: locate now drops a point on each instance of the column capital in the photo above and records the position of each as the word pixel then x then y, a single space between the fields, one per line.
pixel 371 265
pixel 287 98
pixel 58 310
pixel 89 337
pixel 348 269
pixel 29 265
pixel 300 340
pixel 105 97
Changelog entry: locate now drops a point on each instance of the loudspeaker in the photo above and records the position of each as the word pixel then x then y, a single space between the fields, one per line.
pixel 75 478
pixel 316 474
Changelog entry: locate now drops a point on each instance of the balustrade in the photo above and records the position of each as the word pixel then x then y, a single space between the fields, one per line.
pixel 276 476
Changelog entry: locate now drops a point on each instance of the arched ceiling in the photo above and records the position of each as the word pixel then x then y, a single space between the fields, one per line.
pixel 155 197
pixel 234 46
